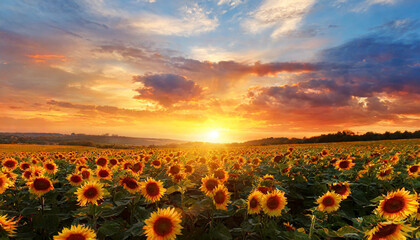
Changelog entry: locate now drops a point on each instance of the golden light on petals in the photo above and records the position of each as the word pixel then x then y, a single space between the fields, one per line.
pixel 90 192
pixel 398 205
pixel 343 189
pixel 5 183
pixel 163 224
pixel 273 202
pixel 75 179
pixel 40 185
pixel 9 224
pixel 389 231
pixel 152 190
pixel 221 197
pixel 254 202
pixel 208 184
pixel 78 232
pixel 329 202
pixel 130 184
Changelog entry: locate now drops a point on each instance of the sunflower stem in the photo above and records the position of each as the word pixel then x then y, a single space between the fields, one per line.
pixel 42 205
pixel 312 226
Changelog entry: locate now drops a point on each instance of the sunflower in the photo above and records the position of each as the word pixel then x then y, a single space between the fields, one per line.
pixel 50 167
pixel 102 161
pixel 24 165
pixel 273 202
pixel 344 164
pixel 289 227
pixel 130 184
pixel 10 164
pixel 152 190
pixel 40 185
pixel 398 205
pixel 389 231
pixel 343 189
pixel 254 202
pixel 188 169
pixel 163 224
pixel 113 162
pixel 268 177
pixel 90 192
pixel 385 174
pixel 5 183
pixel 174 170
pixel 221 197
pixel 329 202
pixel 86 174
pixel 221 174
pixel 156 163
pixel 8 225
pixel 277 158
pixel 75 179
pixel 208 184
pixel 137 168
pixel 104 173
pixel 413 171
pixel 78 232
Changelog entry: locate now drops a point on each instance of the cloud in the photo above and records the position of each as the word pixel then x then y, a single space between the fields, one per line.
pixel 167 89
pixel 217 76
pixel 365 5
pixel 280 17
pixel 364 81
pixel 194 20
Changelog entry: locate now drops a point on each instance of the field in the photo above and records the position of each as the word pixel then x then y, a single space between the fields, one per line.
pixel 359 190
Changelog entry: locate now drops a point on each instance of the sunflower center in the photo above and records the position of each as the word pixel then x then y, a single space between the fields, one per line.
pixel 273 202
pixel 50 166
pixel 130 183
pixel 156 163
pixel 277 159
pixel 76 179
pixel 101 162
pixel 136 167
pixel 152 189
pixel 113 161
pixel 340 189
pixel 103 173
pixel 41 184
pixel 163 226
pixel 25 166
pixel 385 231
pixel 9 164
pixel 253 203
pixel 386 172
pixel 85 174
pixel 91 192
pixel 174 170
pixel 414 169
pixel 211 184
pixel 394 204
pixel 27 174
pixel 328 201
pixel 76 236
pixel 188 169
pixel 1 182
pixel 219 174
pixel 344 164
pixel 219 197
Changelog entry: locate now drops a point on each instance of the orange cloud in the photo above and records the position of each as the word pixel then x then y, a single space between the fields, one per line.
pixel 43 58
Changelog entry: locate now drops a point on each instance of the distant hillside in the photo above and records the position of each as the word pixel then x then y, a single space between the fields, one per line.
pixel 82 139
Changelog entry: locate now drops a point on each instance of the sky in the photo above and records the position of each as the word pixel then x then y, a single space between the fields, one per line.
pixel 210 70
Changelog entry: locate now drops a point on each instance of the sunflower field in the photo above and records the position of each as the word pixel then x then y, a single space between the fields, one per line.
pixel 360 190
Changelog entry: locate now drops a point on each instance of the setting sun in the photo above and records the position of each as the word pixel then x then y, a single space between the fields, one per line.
pixel 213 136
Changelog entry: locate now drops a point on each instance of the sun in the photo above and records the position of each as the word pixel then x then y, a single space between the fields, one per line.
pixel 213 136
